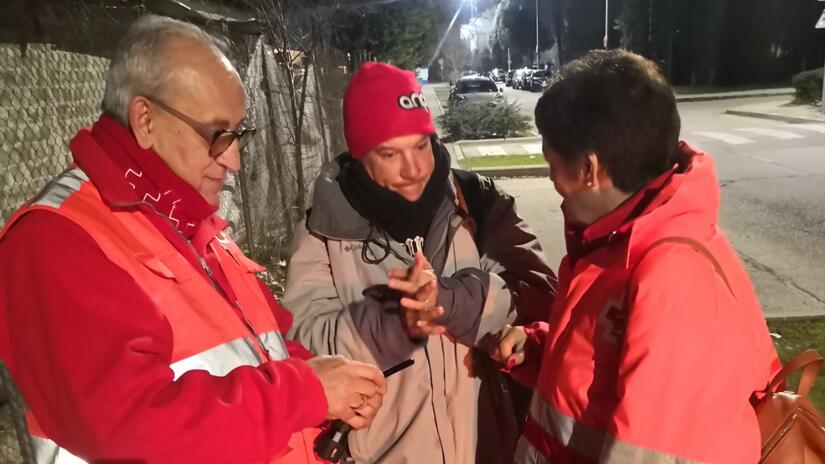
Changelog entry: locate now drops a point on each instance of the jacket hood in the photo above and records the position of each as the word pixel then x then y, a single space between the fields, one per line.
pixel 331 214
pixel 687 206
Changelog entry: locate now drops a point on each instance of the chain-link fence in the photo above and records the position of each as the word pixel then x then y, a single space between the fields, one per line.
pixel 53 58
pixel 45 96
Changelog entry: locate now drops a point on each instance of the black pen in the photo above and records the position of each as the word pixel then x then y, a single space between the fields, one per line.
pixel 402 365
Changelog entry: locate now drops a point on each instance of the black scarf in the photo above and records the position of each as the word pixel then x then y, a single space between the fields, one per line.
pixel 388 210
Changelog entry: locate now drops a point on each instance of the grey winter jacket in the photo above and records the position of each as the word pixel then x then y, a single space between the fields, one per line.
pixel 445 408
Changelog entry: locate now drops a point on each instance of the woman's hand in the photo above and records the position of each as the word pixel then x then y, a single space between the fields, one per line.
pixel 510 349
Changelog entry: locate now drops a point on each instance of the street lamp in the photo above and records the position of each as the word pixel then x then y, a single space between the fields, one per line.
pixel 605 23
pixel 537 34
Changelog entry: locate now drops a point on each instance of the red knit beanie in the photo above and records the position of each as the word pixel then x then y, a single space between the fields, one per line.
pixel 382 102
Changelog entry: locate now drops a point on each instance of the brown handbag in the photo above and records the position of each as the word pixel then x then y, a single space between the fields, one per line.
pixel 793 431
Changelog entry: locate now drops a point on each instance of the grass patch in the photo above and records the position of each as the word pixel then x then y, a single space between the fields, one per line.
pixel 798 336
pixel 497 161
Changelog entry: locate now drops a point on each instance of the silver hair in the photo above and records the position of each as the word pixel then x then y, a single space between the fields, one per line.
pixel 139 66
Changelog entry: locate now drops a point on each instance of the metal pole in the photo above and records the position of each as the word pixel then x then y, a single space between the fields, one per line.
pixel 822 102
pixel 537 33
pixel 605 22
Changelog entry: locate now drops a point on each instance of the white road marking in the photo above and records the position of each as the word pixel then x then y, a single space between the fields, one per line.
pixel 775 133
pixel 725 137
pixel 813 127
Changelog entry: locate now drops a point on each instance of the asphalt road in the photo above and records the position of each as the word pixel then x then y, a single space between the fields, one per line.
pixel 772 177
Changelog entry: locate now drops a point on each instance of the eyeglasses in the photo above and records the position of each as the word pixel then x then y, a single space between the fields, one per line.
pixel 219 140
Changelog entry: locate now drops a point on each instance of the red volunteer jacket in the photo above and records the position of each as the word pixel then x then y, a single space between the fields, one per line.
pixel 122 349
pixel 657 365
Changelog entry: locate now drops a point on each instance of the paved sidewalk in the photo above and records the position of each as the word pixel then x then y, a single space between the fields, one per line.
pixel 498 147
pixel 780 111
pixel 437 109
pixel 689 97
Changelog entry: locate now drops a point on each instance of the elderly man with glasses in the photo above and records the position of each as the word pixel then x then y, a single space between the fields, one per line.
pixel 134 327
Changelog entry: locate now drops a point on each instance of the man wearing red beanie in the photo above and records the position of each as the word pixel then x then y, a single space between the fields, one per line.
pixel 400 256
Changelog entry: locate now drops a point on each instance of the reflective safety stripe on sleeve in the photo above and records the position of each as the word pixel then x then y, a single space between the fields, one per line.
pixel 47 452
pixel 221 359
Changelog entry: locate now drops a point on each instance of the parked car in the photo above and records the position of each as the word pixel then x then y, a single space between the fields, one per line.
pixel 526 79
pixel 497 75
pixel 538 79
pixel 475 90
pixel 508 78
pixel 518 77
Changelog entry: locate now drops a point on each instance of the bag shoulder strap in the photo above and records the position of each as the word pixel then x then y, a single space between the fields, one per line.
pixel 696 245
pixel 473 195
pixel 809 361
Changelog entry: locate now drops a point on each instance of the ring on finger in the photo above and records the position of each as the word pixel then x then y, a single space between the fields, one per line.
pixel 361 404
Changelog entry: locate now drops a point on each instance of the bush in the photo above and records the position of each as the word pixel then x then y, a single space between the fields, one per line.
pixel 808 85
pixel 474 121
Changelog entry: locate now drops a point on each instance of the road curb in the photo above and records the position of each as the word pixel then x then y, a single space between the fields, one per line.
pixel 773 116
pixel 537 170
pixel 809 317
pixel 459 152
pixel 732 95
pixel 456 153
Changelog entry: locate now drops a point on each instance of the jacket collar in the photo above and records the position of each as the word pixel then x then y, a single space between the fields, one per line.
pixel 651 212
pixel 616 224
pixel 127 175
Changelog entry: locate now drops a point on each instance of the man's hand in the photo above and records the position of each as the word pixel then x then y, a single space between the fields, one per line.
pixel 510 349
pixel 419 286
pixel 354 390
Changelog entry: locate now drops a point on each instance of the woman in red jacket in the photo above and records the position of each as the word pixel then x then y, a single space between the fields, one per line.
pixel 656 341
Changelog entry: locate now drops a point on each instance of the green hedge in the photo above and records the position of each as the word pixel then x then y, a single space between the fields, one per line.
pixel 475 121
pixel 808 85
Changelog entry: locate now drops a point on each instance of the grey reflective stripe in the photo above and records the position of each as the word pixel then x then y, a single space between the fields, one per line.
pixel 60 188
pixel 526 454
pixel 221 359
pixel 621 451
pixel 595 444
pixel 585 440
pixel 275 344
pixel 47 452
pixel 218 361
